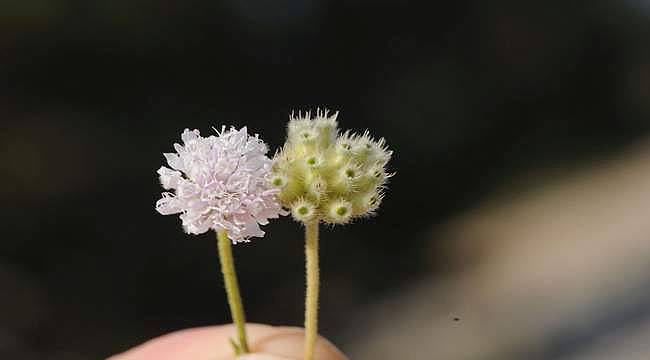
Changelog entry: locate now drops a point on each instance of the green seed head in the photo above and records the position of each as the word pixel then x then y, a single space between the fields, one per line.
pixel 326 175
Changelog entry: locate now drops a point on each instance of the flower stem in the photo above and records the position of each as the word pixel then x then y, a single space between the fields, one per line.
pixel 311 298
pixel 232 291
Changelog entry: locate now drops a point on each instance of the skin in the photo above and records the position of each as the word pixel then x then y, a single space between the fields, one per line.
pixel 212 343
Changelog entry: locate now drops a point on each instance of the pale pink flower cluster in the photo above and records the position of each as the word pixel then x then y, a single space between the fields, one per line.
pixel 220 182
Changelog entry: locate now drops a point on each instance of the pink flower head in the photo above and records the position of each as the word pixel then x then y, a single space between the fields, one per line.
pixel 220 182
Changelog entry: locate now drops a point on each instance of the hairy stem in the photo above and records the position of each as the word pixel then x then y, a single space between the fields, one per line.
pixel 232 290
pixel 311 298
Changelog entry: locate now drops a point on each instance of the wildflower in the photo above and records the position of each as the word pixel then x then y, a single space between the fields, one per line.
pixel 220 182
pixel 322 175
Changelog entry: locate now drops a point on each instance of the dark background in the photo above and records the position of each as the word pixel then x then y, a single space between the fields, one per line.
pixel 468 94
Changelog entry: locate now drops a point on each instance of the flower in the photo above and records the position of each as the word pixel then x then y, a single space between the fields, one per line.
pixel 328 176
pixel 221 183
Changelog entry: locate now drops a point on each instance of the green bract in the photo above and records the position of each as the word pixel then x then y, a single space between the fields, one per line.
pixel 324 175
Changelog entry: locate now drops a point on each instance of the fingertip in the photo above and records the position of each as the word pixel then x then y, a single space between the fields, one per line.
pixel 289 342
pixel 192 343
pixel 267 343
pixel 260 357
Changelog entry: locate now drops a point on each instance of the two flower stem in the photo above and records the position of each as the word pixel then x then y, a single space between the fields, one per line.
pixel 313 280
pixel 232 291
pixel 311 298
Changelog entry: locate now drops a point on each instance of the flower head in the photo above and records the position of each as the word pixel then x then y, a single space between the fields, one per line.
pixel 328 176
pixel 220 182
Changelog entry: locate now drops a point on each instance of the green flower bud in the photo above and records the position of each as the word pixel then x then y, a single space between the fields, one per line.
pixel 278 181
pixel 314 161
pixel 365 204
pixel 303 210
pixel 339 212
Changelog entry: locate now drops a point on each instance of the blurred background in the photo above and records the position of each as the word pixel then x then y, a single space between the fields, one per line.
pixel 517 227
